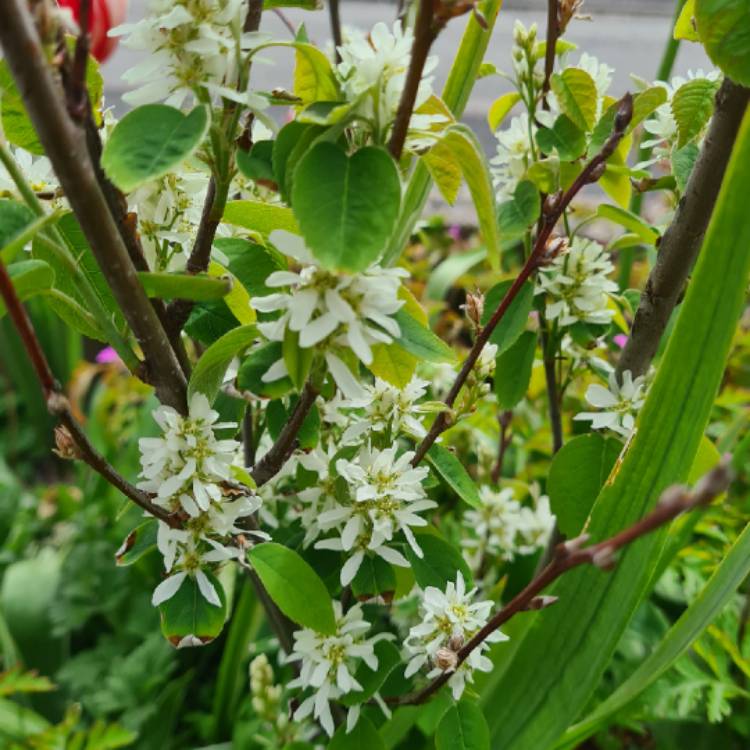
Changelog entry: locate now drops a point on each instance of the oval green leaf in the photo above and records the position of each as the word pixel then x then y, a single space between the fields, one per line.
pixel 463 727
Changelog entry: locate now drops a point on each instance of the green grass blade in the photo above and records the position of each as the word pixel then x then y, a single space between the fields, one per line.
pixel 568 647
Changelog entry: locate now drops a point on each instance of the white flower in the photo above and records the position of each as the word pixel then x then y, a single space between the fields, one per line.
pixel 328 663
pixel 514 153
pixel 577 284
pixel 186 466
pixel 449 620
pixel 193 45
pixel 373 71
pixel 38 172
pixel 620 403
pixel 329 309
pixel 389 410
pixel 386 496
pixel 485 365
pixel 534 526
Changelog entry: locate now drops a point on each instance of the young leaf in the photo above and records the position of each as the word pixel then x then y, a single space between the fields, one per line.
pixel 564 137
pixel 346 205
pixel 576 92
pixel 578 472
pixel 632 222
pixel 150 141
pixel 294 586
pixel 692 105
pixel 514 321
pixel 188 616
pixel 463 727
pixel 392 363
pixel 723 28
pixel 209 372
pixel 500 108
pixel 197 287
pixel 518 213
pixel 542 693
pixel 644 103
pixel 683 161
pixel 684 27
pixel 262 218
pixel 439 564
pixel 454 474
pixel 364 736
pixel 460 144
pixel 513 370
pixel 421 341
pixel 141 540
pixel 313 77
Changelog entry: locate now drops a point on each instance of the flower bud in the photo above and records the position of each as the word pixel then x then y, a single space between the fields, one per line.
pixel 65 445
pixel 474 308
pixel 446 660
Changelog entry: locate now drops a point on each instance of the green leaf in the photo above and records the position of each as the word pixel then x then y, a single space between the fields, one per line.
pixel 15 217
pixel 313 76
pixel 500 108
pixel 421 341
pixel 632 222
pixel 684 27
pixel 210 369
pixel 304 4
pixel 445 170
pixel 140 541
pixel 294 586
pixel 255 366
pixel 257 164
pixel 278 416
pixel 392 363
pixel 683 161
pixel 513 370
pixel 513 323
pixel 29 277
pixel 343 218
pixel 150 141
pixel 692 105
pixel 517 214
pixel 15 681
pixel 250 263
pixel 389 658
pixel 576 93
pixel 459 144
pixel 542 692
pixel 713 598
pixel 439 564
pixel 74 315
pixel 375 577
pixel 198 287
pixel 724 28
pixel 645 103
pixel 463 727
pixel 454 474
pixel 564 137
pixel 291 144
pixel 209 321
pixel 363 737
pixel 577 475
pixel 187 614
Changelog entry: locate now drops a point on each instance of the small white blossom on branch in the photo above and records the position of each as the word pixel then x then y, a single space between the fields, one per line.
pixel 619 404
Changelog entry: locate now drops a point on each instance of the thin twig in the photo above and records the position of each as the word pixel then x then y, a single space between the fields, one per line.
pixel 681 243
pixel 59 406
pixel 426 29
pixel 673 502
pixel 65 146
pixel 504 420
pixel 553 32
pixel 553 210
pixel 335 18
pixel 277 455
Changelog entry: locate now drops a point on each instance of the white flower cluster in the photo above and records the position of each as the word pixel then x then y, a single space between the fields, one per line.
pixel 330 309
pixel 578 286
pixel 372 72
pixel 38 172
pixel 449 620
pixel 194 48
pixel 619 404
pixel 504 528
pixel 328 664
pixel 185 469
pixel 386 496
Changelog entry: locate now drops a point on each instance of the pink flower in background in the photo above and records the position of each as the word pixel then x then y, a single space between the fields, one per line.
pixel 107 356
pixel 103 15
pixel 620 339
pixel 454 232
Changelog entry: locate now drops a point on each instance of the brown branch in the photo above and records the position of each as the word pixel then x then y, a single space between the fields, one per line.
pixel 65 145
pixel 504 421
pixel 277 455
pixel 553 32
pixel 683 239
pixel 426 29
pixel 71 439
pixel 553 210
pixel 673 502
pixel 335 18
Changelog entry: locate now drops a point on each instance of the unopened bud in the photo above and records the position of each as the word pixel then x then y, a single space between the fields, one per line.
pixel 541 602
pixel 573 545
pixel 456 642
pixel 624 113
pixel 554 247
pixel 474 307
pixel 604 558
pixel 552 202
pixel 65 445
pixel 446 660
pixel 597 172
